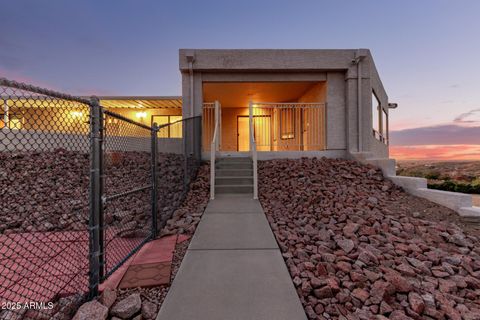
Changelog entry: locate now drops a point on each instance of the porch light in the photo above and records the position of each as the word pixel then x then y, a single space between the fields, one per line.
pixel 76 114
pixel 141 115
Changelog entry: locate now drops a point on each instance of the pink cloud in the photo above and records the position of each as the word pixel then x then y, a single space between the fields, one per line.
pixel 436 152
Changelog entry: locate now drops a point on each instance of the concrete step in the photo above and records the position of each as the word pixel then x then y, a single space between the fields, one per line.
pixel 234 165
pixel 234 160
pixel 234 172
pixel 235 180
pixel 233 188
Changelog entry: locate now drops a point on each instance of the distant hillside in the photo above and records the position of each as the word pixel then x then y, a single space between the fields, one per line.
pixel 459 176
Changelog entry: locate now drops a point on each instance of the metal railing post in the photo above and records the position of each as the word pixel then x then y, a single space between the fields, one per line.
pixel 154 151
pixel 96 250
pixel 253 150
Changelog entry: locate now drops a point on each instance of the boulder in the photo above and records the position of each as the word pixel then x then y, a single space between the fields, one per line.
pixel 92 310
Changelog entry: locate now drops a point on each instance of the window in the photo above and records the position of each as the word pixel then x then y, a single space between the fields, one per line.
pixel 379 120
pixel 12 121
pixel 287 123
pixel 375 113
pixel 385 126
pixel 174 130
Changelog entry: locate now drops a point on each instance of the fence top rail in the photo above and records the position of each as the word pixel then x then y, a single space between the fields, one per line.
pixel 42 91
pixel 288 104
pixel 175 122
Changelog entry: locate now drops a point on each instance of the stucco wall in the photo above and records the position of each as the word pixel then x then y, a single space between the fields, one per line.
pixel 377 147
pixel 336 117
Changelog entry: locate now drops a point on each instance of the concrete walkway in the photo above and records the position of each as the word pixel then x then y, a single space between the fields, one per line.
pixel 233 269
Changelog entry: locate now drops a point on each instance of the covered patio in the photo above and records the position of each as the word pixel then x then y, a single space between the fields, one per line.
pixel 286 116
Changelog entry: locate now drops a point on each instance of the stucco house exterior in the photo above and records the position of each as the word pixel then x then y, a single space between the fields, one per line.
pixel 304 102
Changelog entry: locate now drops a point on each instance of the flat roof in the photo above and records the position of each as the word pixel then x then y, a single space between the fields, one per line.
pixel 268 59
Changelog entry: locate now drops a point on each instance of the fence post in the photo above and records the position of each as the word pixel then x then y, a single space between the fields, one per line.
pixel 185 154
pixel 154 151
pixel 96 252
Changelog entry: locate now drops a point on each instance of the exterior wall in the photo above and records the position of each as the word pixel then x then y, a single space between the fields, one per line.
pixel 132 113
pixel 336 116
pixel 229 127
pixel 377 147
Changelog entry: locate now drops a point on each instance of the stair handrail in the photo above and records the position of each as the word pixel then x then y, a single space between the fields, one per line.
pixel 214 147
pixel 253 150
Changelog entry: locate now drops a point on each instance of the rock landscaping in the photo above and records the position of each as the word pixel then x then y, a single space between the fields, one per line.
pixel 51 189
pixel 358 247
pixel 47 192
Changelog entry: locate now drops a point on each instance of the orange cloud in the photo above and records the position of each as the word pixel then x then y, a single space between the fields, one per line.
pixel 436 152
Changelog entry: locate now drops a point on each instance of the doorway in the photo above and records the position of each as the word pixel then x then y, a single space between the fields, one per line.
pixel 262 131
pixel 243 133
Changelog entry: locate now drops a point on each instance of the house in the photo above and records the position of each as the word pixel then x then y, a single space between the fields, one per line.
pixel 302 102
pixel 265 104
pixel 255 104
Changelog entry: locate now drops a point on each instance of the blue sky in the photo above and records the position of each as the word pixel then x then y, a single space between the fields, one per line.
pixel 426 51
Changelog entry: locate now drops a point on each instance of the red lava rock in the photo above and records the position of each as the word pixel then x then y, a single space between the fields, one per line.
pixel 149 310
pixel 347 245
pixel 398 315
pixel 350 229
pixel 447 286
pixel 322 293
pixel 400 283
pixel 351 242
pixel 416 302
pixel 385 308
pixel 316 283
pixel 360 294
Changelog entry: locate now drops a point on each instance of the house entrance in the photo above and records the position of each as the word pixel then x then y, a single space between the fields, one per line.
pixel 262 131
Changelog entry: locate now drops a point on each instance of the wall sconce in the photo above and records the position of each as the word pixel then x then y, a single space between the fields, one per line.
pixel 141 115
pixel 76 114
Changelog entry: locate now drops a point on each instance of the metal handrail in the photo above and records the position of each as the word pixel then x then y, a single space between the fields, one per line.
pixel 213 149
pixel 379 136
pixel 302 117
pixel 253 149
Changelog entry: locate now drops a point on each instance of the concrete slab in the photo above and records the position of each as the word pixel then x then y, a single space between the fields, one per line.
pixel 233 231
pixel 228 203
pixel 232 285
pixel 470 212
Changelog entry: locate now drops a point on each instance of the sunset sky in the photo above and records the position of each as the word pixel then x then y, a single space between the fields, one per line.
pixel 426 52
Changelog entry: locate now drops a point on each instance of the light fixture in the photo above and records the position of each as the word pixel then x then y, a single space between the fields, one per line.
pixel 76 114
pixel 141 115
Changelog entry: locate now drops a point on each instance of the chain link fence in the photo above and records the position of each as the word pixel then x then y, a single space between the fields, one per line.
pixel 83 188
pixel 44 213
